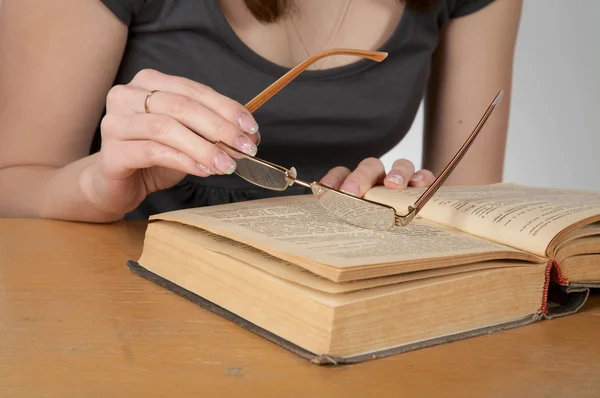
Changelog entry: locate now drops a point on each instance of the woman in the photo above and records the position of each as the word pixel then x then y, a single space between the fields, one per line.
pixel 76 142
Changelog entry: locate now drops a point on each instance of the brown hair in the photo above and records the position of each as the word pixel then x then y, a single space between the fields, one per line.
pixel 268 11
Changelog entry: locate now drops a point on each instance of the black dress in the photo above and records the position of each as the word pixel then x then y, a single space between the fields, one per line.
pixel 321 120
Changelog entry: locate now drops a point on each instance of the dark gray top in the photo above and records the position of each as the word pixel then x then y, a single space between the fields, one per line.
pixel 321 120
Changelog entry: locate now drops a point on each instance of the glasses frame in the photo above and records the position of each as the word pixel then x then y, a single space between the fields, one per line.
pixel 290 174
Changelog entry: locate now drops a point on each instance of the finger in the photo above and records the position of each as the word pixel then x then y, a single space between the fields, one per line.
pixel 368 173
pixel 166 131
pixel 335 177
pixel 422 178
pixel 120 159
pixel 399 175
pixel 202 120
pixel 187 111
pixel 222 105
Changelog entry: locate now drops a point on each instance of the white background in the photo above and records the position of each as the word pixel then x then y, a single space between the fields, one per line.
pixel 554 127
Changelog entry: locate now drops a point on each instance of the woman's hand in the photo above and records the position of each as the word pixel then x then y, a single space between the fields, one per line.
pixel 371 172
pixel 146 152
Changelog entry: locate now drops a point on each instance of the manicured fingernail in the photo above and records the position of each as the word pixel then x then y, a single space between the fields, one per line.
pixel 247 123
pixel 395 179
pixel 205 169
pixel 417 177
pixel 224 163
pixel 258 137
pixel 244 144
pixel 350 187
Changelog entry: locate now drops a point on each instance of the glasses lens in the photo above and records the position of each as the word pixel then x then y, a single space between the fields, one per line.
pixel 255 171
pixel 353 210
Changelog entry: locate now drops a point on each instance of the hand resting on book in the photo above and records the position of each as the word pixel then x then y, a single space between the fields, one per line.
pixel 371 172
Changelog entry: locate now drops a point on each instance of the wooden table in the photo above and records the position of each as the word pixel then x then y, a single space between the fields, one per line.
pixel 75 322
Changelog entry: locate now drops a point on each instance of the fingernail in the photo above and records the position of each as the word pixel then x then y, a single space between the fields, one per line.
pixel 395 178
pixel 244 144
pixel 247 123
pixel 224 163
pixel 417 177
pixel 258 137
pixel 350 187
pixel 327 184
pixel 205 169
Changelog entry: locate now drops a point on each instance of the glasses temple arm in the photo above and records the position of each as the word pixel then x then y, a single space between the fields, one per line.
pixel 424 198
pixel 283 81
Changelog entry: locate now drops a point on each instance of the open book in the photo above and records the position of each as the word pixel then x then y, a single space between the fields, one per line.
pixel 477 260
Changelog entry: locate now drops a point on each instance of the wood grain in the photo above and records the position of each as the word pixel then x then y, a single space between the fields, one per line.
pixel 75 322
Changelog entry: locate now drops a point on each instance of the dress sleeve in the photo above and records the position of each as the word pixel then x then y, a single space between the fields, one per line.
pixel 466 7
pixel 124 9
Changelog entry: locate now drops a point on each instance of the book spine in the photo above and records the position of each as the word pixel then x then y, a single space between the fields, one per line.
pixel 553 274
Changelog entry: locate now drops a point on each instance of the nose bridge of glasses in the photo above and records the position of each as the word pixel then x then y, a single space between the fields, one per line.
pixel 294 180
pixel 284 80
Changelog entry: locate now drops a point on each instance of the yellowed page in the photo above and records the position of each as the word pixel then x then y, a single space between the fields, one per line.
pixel 299 226
pixel 527 218
pixel 197 237
pixel 585 231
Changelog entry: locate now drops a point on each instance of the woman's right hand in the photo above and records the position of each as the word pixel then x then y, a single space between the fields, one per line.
pixel 145 152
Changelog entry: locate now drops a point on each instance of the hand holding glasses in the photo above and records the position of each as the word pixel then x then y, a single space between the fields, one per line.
pixel 354 210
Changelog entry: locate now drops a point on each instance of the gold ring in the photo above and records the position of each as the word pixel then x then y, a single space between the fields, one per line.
pixel 147 102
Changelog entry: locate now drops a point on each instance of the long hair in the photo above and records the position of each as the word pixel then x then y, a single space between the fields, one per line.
pixel 268 11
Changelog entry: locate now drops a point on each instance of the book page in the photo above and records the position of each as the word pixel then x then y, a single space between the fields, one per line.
pixel 527 218
pixel 586 230
pixel 275 266
pixel 299 226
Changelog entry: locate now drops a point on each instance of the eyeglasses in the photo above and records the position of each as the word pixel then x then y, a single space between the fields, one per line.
pixel 352 209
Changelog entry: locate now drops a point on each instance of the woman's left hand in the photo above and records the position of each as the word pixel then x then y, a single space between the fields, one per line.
pixel 371 172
